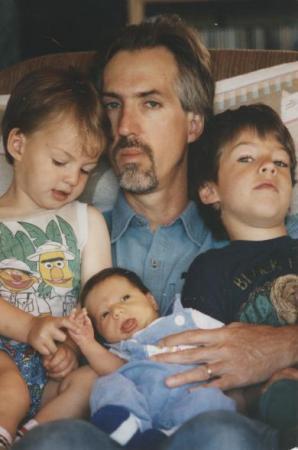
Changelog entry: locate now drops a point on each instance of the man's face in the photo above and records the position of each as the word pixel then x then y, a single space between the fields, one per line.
pixel 150 129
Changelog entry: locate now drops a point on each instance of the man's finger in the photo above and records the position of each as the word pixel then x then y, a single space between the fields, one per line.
pixel 191 337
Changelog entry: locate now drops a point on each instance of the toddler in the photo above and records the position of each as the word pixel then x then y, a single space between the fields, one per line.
pixel 49 243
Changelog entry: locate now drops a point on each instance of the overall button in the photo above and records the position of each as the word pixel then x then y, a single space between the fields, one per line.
pixel 179 320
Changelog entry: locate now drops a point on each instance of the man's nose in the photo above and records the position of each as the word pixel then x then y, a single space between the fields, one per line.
pixel 128 122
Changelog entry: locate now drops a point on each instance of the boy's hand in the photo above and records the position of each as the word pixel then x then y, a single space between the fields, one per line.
pixel 290 373
pixel 61 363
pixel 45 331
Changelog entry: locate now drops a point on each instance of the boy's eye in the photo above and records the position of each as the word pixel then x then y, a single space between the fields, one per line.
pixel 281 163
pixel 125 297
pixel 245 159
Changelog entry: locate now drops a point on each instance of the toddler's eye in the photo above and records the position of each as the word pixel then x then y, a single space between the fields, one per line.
pixel 125 297
pixel 105 314
pixel 58 163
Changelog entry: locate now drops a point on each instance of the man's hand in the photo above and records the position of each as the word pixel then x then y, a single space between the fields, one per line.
pixel 232 356
pixel 44 331
pixel 61 363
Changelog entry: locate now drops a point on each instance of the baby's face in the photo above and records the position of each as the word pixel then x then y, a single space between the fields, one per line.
pixel 119 309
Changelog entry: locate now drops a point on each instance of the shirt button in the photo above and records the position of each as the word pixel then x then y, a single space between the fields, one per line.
pixel 155 263
pixel 179 320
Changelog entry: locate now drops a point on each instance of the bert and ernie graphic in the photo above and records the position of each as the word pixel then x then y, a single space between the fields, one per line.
pixel 43 279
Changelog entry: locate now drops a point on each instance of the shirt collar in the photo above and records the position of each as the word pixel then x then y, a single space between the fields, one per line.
pixel 122 215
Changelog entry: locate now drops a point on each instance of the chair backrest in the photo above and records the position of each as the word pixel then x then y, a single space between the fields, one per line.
pixel 225 63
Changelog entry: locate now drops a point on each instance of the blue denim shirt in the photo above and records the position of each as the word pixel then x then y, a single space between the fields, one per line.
pixel 162 257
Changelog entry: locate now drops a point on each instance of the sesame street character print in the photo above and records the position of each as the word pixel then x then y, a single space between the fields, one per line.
pixel 53 266
pixel 40 264
pixel 18 286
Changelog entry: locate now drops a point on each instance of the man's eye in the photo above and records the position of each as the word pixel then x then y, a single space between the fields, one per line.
pixel 125 297
pixel 152 104
pixel 245 159
pixel 280 163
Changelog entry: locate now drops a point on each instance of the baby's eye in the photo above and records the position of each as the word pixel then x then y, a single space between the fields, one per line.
pixel 105 314
pixel 245 159
pixel 280 163
pixel 125 297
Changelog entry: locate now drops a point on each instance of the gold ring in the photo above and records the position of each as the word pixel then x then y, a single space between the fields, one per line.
pixel 209 371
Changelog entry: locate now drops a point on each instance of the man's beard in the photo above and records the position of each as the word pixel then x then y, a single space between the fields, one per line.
pixel 131 177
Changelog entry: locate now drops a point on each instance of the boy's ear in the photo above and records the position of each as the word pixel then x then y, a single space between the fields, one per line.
pixel 208 193
pixel 152 301
pixel 16 143
pixel 195 126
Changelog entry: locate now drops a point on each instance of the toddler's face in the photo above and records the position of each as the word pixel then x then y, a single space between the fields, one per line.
pixel 254 183
pixel 118 309
pixel 51 166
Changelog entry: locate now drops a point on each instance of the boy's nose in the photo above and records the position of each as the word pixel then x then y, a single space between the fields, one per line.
pixel 268 167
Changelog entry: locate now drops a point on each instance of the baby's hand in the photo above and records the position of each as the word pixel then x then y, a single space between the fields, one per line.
pixel 46 330
pixel 83 332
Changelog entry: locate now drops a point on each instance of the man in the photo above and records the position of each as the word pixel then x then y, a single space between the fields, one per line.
pixel 157 89
pixel 157 98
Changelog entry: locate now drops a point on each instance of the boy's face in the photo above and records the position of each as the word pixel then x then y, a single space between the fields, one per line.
pixel 254 187
pixel 50 165
pixel 118 309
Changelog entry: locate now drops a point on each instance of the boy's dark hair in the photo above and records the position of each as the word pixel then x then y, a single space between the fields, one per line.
pixel 220 130
pixel 195 85
pixel 44 94
pixel 104 274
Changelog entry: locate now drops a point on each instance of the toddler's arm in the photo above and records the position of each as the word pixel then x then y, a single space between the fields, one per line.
pixel 100 359
pixel 40 332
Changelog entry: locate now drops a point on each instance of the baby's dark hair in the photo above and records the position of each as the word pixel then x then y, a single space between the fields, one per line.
pixel 44 94
pixel 222 129
pixel 104 274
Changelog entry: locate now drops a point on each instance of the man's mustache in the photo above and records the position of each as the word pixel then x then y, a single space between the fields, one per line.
pixel 125 142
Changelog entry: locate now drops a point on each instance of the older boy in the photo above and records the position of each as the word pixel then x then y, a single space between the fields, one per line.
pixel 247 170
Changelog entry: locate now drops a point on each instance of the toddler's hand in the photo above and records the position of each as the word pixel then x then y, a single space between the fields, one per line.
pixel 61 363
pixel 46 330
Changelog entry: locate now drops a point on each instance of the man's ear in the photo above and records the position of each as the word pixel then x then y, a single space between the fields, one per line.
pixel 208 193
pixel 16 143
pixel 195 126
pixel 152 301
